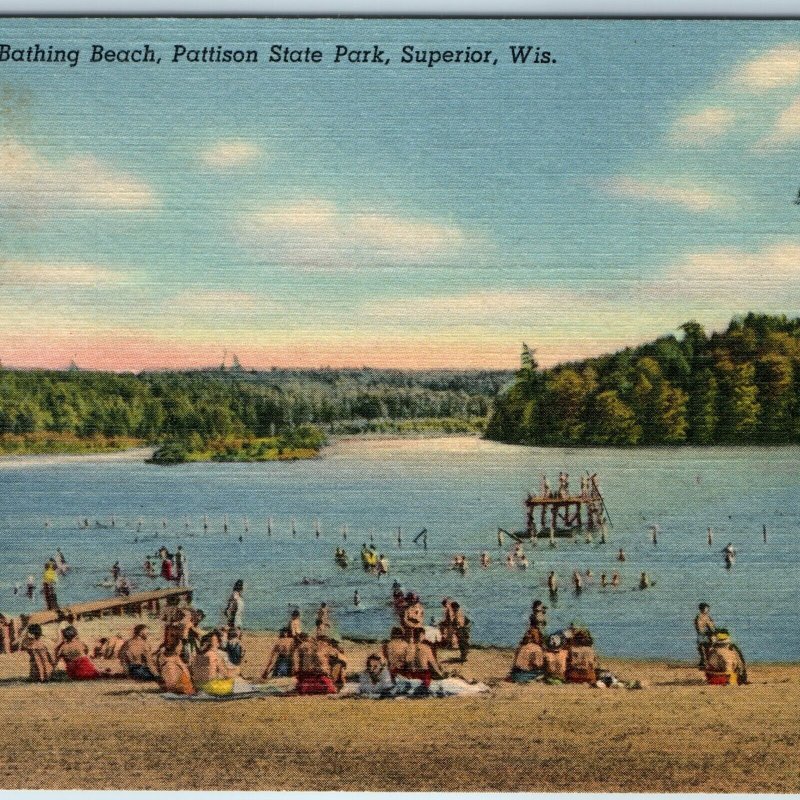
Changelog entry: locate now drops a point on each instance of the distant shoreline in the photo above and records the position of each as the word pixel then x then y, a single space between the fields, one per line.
pixel 138 454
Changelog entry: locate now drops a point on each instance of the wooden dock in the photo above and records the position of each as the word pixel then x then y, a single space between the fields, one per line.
pixel 564 512
pixel 130 604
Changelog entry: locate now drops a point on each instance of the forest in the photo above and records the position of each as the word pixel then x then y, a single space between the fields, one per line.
pixel 231 413
pixel 738 386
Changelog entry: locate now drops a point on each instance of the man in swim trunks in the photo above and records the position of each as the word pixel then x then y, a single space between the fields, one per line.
pixel 137 657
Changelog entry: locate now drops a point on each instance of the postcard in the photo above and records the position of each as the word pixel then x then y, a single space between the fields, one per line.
pixel 399 404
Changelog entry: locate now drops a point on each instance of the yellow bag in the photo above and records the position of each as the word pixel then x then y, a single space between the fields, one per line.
pixel 219 687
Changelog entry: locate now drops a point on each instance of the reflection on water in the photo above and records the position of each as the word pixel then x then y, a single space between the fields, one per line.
pixel 461 490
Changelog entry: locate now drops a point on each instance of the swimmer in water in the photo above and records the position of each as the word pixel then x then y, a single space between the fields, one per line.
pixel 603 580
pixel 615 580
pixel 621 555
pixel 356 599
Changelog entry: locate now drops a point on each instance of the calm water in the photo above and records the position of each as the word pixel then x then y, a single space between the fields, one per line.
pixel 461 491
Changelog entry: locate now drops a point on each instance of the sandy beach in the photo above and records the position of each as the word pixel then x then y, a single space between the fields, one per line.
pixel 676 734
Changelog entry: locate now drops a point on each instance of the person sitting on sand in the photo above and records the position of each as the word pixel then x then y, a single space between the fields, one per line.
pixel 725 663
pixel 41 656
pixel 581 658
pixel 280 660
pixel 311 663
pixel 112 645
pixel 211 663
pixel 528 661
pixel 420 662
pixel 395 651
pixel 555 659
pixel 137 657
pixel 75 654
pixel 175 677
pixel 375 681
pixel 233 647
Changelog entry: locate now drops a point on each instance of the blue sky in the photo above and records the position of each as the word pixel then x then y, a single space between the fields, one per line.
pixel 393 215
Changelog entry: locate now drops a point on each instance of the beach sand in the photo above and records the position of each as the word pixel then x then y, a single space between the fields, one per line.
pixel 676 734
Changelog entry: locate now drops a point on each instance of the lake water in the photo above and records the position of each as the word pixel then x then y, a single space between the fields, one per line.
pixel 461 490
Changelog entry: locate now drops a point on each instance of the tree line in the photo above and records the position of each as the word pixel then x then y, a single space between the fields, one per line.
pixel 213 404
pixel 738 386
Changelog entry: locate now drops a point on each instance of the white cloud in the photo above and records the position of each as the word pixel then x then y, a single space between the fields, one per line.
pixel 45 274
pixel 773 69
pixel 230 154
pixel 786 127
pixel 30 182
pixel 692 197
pixel 702 126
pixel 316 233
pixel 737 280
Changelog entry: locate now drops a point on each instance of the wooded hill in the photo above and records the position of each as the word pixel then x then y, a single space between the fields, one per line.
pixel 740 386
pixel 209 404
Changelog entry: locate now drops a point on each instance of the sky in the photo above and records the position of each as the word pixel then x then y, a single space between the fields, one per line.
pixel 393 215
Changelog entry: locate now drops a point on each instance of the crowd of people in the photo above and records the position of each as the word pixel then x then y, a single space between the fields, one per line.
pixel 187 658
pixel 566 656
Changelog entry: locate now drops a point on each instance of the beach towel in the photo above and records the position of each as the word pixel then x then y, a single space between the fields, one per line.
pixel 242 691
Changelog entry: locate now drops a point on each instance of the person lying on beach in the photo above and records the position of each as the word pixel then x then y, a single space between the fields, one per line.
pixel 375 681
pixel 75 654
pixel 137 657
pixel 175 677
pixel 528 661
pixel 41 656
pixel 280 660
